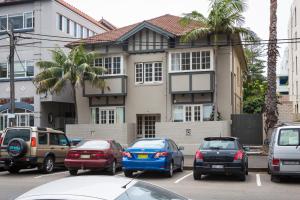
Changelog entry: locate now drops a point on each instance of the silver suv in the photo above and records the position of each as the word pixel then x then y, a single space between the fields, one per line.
pixel 284 152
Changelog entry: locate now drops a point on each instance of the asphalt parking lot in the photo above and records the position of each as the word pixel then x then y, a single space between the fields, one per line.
pixel 257 186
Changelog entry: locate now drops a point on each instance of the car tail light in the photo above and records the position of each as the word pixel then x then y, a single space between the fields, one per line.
pixel 99 155
pixel 127 154
pixel 238 155
pixel 161 154
pixel 33 142
pixel 199 155
pixel 73 155
pixel 275 162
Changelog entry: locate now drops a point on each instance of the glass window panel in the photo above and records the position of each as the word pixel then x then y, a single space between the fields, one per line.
pixel 185 61
pixel 93 115
pixel 148 72
pixel 75 29
pixel 98 62
pixel 178 114
pixel 107 65
pixel 120 115
pixel 17 21
pixel 64 24
pixel 158 72
pixel 3 23
pixel 43 138
pixel 205 61
pixel 68 26
pixel 20 69
pixel 175 61
pixel 85 32
pixel 78 28
pixel 188 113
pixel 116 65
pixel 72 24
pixel 207 112
pixel 103 116
pixel 139 73
pixel 96 115
pixel 197 113
pixel 289 137
pixel 111 116
pixel 60 22
pixel 196 60
pixel 3 70
pixel 28 20
pixel 29 68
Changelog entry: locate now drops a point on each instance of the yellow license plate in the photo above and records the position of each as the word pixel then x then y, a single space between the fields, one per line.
pixel 142 156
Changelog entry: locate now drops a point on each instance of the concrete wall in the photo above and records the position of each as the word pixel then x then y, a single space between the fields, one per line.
pixel 122 133
pixel 198 130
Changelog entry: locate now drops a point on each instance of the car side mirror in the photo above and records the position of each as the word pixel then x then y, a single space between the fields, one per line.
pixel 181 148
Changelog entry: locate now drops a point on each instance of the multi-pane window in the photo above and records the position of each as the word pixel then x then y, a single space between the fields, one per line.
pixel 70 27
pixel 19 21
pixel 111 115
pixel 191 61
pixel 188 113
pixel 107 65
pixel 112 65
pixel 148 72
pixel 22 69
pixel 196 61
pixel 192 113
pixel 139 73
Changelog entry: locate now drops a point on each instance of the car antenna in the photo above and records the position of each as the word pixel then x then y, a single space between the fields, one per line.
pixel 134 177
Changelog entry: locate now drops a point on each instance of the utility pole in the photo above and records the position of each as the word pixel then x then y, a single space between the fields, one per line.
pixel 10 32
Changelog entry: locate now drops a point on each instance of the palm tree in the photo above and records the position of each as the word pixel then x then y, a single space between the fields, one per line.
pixel 225 17
pixel 271 100
pixel 72 68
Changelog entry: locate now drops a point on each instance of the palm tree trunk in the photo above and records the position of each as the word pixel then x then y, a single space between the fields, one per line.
pixel 271 100
pixel 75 103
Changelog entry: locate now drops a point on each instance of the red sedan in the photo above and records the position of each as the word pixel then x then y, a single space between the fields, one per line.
pixel 95 155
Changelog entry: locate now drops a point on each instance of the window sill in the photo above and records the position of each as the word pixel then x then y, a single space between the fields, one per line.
pixel 16 79
pixel 149 84
pixel 191 71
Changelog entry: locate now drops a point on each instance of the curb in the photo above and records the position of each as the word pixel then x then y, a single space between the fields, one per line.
pixel 250 169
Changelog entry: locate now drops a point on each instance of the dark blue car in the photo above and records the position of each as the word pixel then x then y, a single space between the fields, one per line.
pixel 153 155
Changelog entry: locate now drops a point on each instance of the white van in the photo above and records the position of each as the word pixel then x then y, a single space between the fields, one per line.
pixel 284 152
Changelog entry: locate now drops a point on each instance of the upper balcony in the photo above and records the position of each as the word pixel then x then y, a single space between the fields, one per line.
pixel 191 71
pixel 117 86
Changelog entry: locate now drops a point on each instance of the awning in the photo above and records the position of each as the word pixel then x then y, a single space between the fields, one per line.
pixel 19 105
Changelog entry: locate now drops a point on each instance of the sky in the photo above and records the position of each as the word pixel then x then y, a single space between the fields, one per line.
pixel 125 12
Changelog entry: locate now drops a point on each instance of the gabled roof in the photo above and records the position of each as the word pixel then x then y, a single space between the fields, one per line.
pixel 166 24
pixel 107 24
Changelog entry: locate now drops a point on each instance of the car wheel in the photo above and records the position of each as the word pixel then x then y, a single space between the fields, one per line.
pixel 181 166
pixel 48 165
pixel 171 169
pixel 197 175
pixel 73 172
pixel 113 168
pixel 243 176
pixel 128 173
pixel 13 170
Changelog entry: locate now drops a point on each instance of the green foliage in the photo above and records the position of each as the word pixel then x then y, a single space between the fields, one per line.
pixel 225 17
pixel 74 68
pixel 255 84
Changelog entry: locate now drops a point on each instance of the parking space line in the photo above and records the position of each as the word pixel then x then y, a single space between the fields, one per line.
pixel 178 180
pixel 51 174
pixel 258 182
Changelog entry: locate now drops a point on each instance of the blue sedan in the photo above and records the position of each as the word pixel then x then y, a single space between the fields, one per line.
pixel 153 155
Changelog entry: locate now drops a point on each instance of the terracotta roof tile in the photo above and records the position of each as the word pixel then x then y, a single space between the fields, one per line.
pixel 169 23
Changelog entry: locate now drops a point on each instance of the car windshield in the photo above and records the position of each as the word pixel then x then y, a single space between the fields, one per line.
pixel 219 144
pixel 93 144
pixel 149 144
pixel 23 134
pixel 289 137
pixel 147 191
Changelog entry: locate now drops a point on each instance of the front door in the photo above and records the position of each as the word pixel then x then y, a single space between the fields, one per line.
pixel 146 125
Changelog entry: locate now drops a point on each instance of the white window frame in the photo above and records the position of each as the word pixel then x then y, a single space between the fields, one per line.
pixel 191 61
pixel 192 112
pixel 25 62
pixel 112 65
pixel 19 14
pixel 107 116
pixel 144 82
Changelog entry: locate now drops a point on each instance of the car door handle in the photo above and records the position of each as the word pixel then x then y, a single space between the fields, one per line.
pixel 52 148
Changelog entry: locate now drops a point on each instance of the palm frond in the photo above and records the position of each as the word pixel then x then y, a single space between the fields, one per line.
pixel 193 17
pixel 195 34
pixel 47 64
